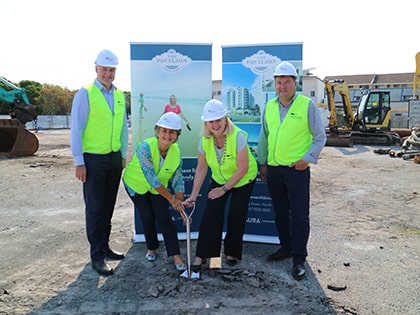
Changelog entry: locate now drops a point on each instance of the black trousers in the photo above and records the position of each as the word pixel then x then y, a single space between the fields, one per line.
pixel 154 209
pixel 289 190
pixel 211 226
pixel 103 175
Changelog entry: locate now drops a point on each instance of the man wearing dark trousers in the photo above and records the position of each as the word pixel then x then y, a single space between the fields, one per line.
pixel 292 136
pixel 99 141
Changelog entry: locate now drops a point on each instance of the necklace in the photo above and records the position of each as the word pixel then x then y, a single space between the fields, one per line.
pixel 220 152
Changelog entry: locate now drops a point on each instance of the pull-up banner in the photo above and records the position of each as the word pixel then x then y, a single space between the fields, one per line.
pixel 160 71
pixel 247 85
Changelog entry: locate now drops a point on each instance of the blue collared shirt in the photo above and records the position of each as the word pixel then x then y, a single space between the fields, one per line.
pixel 79 116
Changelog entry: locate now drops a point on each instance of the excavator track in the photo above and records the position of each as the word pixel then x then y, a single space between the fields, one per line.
pixel 348 139
pixel 375 138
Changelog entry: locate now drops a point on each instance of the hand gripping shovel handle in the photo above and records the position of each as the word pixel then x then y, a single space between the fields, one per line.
pixel 187 273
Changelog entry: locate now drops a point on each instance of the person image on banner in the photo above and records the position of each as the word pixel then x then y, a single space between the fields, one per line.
pixel 175 108
pixel 142 106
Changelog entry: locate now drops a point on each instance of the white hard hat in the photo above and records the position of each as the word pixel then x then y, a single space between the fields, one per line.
pixel 169 120
pixel 106 59
pixel 213 110
pixel 285 68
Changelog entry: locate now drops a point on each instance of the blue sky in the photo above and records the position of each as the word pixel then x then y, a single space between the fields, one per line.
pixel 56 42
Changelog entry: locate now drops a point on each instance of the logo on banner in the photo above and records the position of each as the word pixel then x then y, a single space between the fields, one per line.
pixel 261 62
pixel 171 61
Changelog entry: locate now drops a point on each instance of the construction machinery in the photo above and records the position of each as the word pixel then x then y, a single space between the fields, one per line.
pixel 371 124
pixel 15 139
pixel 416 81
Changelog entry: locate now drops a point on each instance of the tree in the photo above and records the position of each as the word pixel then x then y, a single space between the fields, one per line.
pixel 55 100
pixel 50 99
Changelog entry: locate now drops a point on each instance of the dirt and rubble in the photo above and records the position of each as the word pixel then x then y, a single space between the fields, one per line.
pixel 363 250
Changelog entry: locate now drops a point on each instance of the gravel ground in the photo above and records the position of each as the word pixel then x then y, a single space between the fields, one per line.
pixel 363 251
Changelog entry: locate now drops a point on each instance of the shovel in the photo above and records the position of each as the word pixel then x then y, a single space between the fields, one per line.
pixel 187 273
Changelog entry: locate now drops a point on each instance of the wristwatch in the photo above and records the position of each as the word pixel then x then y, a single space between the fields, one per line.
pixel 224 188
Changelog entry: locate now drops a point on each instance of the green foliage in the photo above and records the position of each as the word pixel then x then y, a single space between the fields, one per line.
pixel 32 89
pixel 55 100
pixel 50 99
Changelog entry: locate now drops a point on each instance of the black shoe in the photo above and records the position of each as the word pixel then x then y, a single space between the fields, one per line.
pixel 231 262
pixel 298 271
pixel 281 253
pixel 195 268
pixel 195 272
pixel 114 255
pixel 102 267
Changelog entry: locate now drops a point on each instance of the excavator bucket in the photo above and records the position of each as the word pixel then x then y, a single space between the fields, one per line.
pixel 339 140
pixel 15 139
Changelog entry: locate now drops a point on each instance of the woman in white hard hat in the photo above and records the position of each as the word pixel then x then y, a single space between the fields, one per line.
pixel 157 161
pixel 224 148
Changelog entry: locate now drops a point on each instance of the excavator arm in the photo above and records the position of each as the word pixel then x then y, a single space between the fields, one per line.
pixel 416 85
pixel 340 86
pixel 19 105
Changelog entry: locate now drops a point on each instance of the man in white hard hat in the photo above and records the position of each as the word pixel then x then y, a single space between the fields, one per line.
pixel 291 138
pixel 99 142
pixel 155 163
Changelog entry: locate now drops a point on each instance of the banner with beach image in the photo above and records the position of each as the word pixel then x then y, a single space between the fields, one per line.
pixel 176 77
pixel 247 85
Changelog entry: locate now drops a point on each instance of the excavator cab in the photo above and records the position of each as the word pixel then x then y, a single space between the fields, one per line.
pixel 15 139
pixel 370 125
pixel 375 110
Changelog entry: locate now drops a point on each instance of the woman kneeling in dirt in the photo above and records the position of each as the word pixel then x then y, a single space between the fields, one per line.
pixel 156 162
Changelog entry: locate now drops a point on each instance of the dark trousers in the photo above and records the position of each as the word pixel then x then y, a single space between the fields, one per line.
pixel 103 175
pixel 155 209
pixel 289 190
pixel 212 221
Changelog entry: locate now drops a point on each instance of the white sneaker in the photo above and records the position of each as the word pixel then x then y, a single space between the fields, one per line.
pixel 150 257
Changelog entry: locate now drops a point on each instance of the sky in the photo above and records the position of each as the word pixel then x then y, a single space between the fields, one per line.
pixel 56 42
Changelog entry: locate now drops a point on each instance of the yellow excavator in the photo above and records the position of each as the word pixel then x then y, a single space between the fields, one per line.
pixel 416 85
pixel 15 139
pixel 370 125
